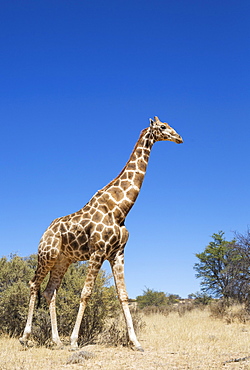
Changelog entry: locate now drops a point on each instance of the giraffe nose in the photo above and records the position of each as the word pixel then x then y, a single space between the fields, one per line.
pixel 179 140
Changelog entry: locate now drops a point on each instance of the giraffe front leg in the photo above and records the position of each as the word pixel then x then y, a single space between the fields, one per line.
pixel 117 266
pixel 95 263
pixel 52 309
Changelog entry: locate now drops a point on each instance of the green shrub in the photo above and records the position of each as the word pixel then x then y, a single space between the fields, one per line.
pixel 15 274
pixel 14 294
pixel 151 297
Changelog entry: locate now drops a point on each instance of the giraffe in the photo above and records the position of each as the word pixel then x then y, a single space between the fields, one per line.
pixel 95 233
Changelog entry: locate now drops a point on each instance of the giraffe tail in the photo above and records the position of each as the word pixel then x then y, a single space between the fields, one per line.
pixel 38 298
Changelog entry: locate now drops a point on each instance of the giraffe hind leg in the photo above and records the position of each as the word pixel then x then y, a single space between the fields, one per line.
pixel 34 289
pixel 44 264
pixel 56 276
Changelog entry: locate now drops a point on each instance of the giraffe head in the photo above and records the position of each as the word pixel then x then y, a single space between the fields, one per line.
pixel 162 131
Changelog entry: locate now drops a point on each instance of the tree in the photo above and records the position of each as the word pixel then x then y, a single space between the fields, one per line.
pixel 214 266
pixel 151 298
pixel 239 268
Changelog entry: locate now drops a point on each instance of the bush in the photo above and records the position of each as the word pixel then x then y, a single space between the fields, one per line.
pixel 162 310
pixel 14 293
pixel 182 309
pixel 200 298
pixel 115 333
pixel 218 309
pixel 151 298
pixel 15 274
pixel 229 311
pixel 102 303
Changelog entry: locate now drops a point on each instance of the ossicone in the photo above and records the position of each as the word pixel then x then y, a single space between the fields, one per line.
pixel 153 121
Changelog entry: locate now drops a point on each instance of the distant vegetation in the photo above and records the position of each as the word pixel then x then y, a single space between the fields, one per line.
pixel 151 297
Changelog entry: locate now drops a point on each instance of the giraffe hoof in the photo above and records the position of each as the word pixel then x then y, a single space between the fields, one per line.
pixel 25 343
pixel 136 347
pixel 73 348
pixel 139 348
pixel 57 345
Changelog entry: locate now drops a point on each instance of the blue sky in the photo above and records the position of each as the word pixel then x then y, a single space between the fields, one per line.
pixel 79 81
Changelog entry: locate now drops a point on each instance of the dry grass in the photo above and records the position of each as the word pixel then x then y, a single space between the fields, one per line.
pixel 193 341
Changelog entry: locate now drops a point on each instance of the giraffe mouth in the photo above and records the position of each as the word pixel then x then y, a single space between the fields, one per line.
pixel 179 140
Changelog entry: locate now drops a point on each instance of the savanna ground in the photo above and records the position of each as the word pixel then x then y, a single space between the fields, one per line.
pixel 192 341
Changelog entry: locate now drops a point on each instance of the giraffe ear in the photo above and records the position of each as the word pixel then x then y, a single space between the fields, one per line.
pixel 151 122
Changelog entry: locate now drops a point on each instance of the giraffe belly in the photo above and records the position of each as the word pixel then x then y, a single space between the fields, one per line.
pixel 104 238
pixel 75 245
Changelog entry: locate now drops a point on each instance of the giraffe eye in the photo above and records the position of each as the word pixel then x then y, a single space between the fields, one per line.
pixel 163 127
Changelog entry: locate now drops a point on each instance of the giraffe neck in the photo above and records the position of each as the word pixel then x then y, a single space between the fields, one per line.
pixel 121 193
